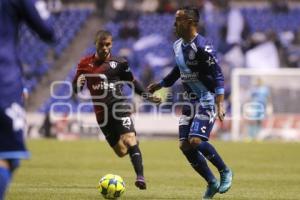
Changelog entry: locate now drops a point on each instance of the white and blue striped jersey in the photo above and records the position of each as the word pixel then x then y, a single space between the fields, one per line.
pixel 198 69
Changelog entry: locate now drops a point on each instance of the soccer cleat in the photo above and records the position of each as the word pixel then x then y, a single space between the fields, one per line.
pixel 211 190
pixel 226 180
pixel 140 183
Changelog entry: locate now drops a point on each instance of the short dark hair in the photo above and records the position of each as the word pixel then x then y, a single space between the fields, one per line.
pixel 102 34
pixel 191 12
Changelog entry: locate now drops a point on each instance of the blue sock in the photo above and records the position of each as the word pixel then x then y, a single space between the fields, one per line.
pixel 199 164
pixel 212 155
pixel 4 181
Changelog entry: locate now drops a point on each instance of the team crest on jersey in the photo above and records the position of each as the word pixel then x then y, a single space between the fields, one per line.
pixel 192 55
pixel 208 48
pixel 113 64
pixel 210 61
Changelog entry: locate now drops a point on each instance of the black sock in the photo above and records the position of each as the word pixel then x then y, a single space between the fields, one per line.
pixel 212 155
pixel 199 164
pixel 136 159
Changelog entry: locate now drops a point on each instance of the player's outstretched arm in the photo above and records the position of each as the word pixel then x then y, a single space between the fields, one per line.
pixel 141 91
pixel 168 81
pixel 154 87
pixel 126 75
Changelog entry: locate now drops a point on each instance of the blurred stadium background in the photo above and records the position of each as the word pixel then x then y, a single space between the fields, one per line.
pixel 258 44
pixel 249 36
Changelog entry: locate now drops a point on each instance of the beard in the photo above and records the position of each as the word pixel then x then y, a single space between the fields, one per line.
pixel 103 54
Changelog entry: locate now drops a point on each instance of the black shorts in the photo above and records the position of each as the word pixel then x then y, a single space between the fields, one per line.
pixel 114 128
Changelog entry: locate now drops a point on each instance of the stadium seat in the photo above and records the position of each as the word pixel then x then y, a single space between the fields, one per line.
pixel 35 60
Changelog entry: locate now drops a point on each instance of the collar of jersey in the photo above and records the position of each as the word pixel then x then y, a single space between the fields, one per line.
pixel 108 60
pixel 190 42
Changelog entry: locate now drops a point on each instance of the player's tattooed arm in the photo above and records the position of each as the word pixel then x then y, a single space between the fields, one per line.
pixel 168 81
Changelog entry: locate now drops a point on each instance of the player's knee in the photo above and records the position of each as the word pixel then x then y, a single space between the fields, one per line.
pixel 121 152
pixel 184 146
pixel 195 141
pixel 4 164
pixel 11 165
pixel 129 140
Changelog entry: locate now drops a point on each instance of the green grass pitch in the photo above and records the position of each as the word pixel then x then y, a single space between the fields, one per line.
pixel 71 170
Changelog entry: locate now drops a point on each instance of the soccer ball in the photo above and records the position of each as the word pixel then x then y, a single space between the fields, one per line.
pixel 111 186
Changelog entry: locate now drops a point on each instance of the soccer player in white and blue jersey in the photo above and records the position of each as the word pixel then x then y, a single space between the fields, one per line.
pixel 203 83
pixel 12 114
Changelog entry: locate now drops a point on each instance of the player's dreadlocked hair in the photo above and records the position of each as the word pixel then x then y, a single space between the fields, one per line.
pixel 192 13
pixel 102 34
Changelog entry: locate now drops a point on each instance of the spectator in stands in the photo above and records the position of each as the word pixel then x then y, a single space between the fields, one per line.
pixel 262 52
pixel 149 5
pixel 231 25
pixel 129 29
pixel 202 5
pixel 118 11
pixel 125 10
pixel 12 114
pixel 293 52
pixel 101 7
pixel 279 6
pixel 167 6
pixel 54 6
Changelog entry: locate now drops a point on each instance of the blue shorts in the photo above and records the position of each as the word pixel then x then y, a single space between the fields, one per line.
pixel 12 124
pixel 196 124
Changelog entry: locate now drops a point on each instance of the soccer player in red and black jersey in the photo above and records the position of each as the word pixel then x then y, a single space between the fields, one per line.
pixel 103 75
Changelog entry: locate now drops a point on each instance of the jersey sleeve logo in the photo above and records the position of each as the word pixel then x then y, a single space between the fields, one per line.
pixel 113 64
